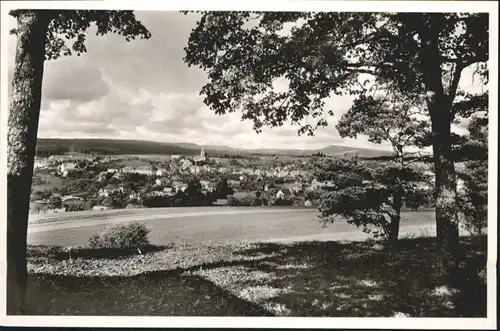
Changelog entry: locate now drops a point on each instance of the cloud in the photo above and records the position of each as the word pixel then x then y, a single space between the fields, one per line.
pixel 73 79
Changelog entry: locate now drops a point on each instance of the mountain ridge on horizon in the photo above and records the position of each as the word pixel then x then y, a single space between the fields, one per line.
pixel 132 146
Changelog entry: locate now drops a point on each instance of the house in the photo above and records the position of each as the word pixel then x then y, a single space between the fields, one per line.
pixel 67 167
pixel 40 164
pixel 284 193
pixel 195 169
pixel 223 170
pixel 101 176
pixel 282 173
pixel 211 187
pixel 210 169
pixel 168 190
pixel 99 208
pixel 204 184
pixel 179 186
pixel 161 172
pixel 248 171
pixel 112 170
pixel 70 197
pixel 242 177
pixel 110 189
pixel 221 202
pixel 133 195
pixel 316 185
pixel 145 170
pixel 118 175
pixel 294 187
pixel 128 170
pixel 175 157
pixel 234 183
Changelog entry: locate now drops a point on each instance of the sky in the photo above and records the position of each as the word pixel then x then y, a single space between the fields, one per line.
pixel 143 90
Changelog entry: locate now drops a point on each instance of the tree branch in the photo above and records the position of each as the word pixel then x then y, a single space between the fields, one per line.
pixel 454 83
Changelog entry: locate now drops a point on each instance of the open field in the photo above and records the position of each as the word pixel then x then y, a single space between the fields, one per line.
pixel 237 261
pixel 209 225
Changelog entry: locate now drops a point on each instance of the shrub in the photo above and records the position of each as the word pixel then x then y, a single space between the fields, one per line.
pixel 232 201
pixel 121 236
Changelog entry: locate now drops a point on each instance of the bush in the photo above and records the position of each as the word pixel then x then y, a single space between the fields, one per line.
pixel 232 201
pixel 121 236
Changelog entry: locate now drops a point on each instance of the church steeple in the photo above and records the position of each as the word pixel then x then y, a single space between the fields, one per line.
pixel 202 153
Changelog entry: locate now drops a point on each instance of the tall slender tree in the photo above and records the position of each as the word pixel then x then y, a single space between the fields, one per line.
pixel 317 54
pixel 41 35
pixel 399 120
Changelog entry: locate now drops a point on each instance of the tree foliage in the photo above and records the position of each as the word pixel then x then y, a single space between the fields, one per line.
pixel 67 29
pixel 54 202
pixel 474 199
pixel 322 54
pixel 223 189
pixel 390 118
pixel 370 198
pixel 194 190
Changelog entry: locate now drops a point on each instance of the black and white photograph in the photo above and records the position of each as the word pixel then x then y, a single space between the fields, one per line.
pixel 330 161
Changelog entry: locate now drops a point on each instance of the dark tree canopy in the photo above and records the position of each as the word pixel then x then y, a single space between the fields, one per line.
pixel 368 197
pixel 326 53
pixel 474 198
pixel 67 29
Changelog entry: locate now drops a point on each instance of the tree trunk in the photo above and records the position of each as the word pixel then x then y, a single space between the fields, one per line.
pixel 21 143
pixel 439 106
pixel 394 229
pixel 395 219
pixel 446 187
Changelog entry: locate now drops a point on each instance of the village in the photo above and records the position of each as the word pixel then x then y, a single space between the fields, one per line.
pixel 93 182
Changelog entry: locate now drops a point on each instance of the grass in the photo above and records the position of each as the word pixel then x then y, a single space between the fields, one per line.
pixel 207 224
pixel 334 279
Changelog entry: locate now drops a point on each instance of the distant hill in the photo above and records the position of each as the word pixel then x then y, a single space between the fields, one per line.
pixel 49 146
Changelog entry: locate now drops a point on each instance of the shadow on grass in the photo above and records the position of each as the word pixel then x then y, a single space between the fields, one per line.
pixel 151 294
pixel 360 279
pixel 355 279
pixel 60 253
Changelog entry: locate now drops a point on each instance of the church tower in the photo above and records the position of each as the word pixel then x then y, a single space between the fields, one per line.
pixel 202 153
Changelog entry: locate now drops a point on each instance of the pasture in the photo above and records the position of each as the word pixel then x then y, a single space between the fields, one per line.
pixel 214 225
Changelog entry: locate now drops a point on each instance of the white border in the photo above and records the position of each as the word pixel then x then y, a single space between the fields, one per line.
pixel 259 322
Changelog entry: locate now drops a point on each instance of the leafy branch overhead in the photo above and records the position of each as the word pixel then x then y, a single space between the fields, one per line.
pixel 325 53
pixel 67 29
pixel 391 118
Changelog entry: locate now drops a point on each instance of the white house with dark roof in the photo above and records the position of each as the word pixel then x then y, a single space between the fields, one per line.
pixel 161 172
pixel 284 193
pixel 67 167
